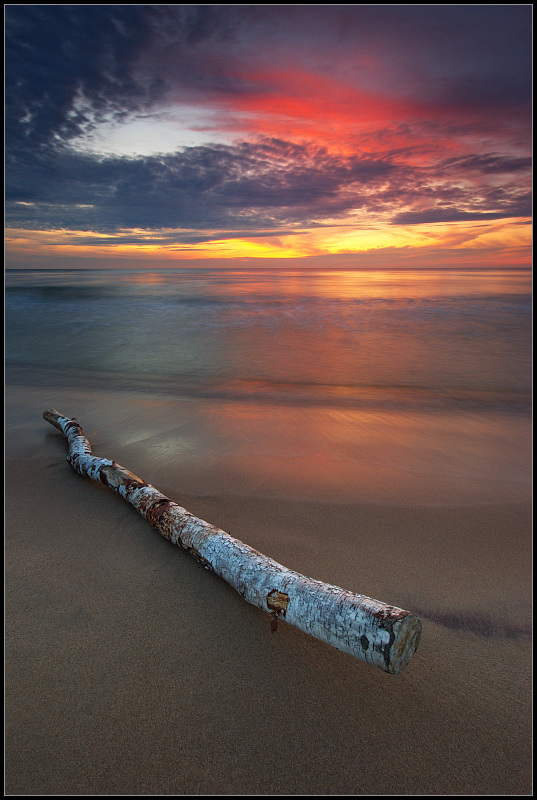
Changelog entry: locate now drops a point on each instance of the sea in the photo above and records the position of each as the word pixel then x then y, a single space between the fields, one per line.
pixel 447 352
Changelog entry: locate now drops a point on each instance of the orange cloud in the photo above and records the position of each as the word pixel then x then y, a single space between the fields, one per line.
pixel 296 104
pixel 487 243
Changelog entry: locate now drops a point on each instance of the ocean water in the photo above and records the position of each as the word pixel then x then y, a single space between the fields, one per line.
pixel 342 337
pixel 425 370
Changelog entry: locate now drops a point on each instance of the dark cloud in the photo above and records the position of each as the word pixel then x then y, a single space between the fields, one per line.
pixel 454 191
pixel 247 185
pixel 450 215
pixel 251 186
pixel 487 163
pixel 55 53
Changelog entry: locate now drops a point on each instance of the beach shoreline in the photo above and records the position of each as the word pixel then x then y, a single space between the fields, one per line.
pixel 130 669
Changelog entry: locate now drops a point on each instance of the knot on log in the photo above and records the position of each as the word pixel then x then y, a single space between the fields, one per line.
pixel 278 602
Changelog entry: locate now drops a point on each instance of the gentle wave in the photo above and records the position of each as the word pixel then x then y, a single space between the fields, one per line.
pixel 278 392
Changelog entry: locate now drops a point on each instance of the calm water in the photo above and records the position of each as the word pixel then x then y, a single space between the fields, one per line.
pixel 341 337
pixel 397 385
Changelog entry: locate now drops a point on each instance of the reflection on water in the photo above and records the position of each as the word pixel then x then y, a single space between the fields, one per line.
pixel 335 283
pixel 422 373
pixel 309 336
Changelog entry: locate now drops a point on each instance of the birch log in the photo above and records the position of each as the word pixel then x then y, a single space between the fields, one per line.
pixel 379 634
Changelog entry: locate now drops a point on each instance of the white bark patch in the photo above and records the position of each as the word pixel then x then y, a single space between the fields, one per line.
pixel 379 634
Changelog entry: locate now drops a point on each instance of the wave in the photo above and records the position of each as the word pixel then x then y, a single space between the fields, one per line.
pixel 374 397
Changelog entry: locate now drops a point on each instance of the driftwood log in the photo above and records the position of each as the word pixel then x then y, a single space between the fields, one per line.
pixel 379 634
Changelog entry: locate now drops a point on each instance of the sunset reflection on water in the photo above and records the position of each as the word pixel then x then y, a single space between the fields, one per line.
pixel 393 383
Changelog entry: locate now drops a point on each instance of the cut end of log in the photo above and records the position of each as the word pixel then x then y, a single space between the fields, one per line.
pixel 407 635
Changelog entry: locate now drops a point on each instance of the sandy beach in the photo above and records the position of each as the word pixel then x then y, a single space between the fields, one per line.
pixel 131 670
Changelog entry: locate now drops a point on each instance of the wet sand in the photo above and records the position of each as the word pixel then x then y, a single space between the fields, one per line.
pixel 132 670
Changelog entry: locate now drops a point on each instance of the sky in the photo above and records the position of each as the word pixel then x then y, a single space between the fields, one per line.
pixel 243 135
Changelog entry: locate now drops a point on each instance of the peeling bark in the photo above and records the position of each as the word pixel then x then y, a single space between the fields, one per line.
pixel 379 634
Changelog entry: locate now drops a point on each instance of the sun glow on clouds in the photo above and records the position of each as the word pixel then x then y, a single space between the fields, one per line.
pixel 76 243
pixel 228 132
pixel 291 104
pixel 298 104
pixel 498 243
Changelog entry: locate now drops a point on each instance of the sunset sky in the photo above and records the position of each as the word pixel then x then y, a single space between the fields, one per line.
pixel 325 135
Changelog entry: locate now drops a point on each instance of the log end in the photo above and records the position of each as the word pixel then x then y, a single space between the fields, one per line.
pixel 407 635
pixel 52 416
